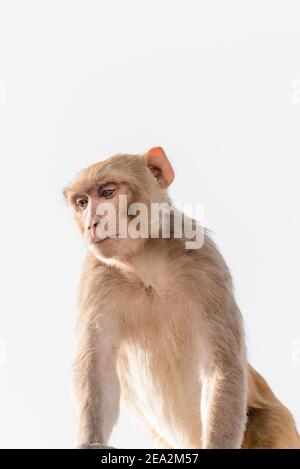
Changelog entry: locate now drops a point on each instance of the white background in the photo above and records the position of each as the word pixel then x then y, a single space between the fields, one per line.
pixel 217 84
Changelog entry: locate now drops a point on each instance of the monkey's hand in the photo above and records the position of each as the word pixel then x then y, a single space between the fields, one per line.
pixel 94 446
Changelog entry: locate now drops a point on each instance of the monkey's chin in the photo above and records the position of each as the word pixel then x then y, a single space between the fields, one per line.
pixel 102 249
pixel 116 249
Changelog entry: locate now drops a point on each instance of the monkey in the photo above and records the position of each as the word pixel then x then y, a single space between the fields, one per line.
pixel 158 325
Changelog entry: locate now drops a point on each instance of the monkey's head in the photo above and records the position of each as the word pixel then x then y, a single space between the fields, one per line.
pixel 106 195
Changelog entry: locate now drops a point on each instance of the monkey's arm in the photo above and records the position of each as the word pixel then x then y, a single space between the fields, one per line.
pixel 96 384
pixel 224 406
pixel 224 381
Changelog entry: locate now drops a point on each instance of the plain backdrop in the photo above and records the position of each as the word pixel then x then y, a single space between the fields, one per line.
pixel 217 84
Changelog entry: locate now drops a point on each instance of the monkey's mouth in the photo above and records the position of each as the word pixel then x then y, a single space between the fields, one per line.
pixel 99 241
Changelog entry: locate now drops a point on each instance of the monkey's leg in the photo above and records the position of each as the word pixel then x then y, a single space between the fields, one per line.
pixel 97 388
pixel 270 424
pixel 271 427
pixel 161 442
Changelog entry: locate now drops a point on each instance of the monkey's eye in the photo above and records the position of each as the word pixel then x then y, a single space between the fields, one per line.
pixel 82 203
pixel 107 190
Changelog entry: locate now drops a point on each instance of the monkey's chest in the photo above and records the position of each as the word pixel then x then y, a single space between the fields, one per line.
pixel 157 366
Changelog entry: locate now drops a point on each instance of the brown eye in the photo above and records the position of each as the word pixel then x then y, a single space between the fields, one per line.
pixel 107 190
pixel 107 193
pixel 82 203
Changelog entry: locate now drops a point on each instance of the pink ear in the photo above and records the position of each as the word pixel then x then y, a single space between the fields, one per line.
pixel 159 165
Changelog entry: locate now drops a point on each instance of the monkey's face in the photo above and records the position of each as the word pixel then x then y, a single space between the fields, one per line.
pixel 103 217
pixel 102 194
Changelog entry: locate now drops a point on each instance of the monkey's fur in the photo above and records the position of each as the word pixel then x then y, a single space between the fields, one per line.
pixel 159 326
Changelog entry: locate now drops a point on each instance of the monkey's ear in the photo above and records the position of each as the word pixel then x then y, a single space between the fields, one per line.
pixel 159 165
pixel 66 194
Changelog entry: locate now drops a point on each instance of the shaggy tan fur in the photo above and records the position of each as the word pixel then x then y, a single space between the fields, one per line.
pixel 159 326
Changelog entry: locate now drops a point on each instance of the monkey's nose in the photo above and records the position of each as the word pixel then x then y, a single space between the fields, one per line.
pixel 93 227
pixel 93 224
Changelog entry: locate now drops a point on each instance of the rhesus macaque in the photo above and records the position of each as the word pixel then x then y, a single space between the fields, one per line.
pixel 159 326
